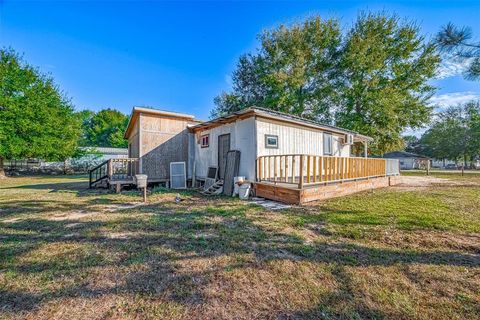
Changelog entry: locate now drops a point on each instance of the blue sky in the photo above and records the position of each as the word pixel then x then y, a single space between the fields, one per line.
pixel 179 55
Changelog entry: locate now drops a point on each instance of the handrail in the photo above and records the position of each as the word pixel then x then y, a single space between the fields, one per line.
pixel 304 169
pixel 114 169
pixel 97 172
pixel 123 168
pixel 101 164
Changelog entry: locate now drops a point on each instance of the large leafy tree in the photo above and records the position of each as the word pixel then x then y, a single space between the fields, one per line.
pixel 294 71
pixel 455 134
pixel 36 119
pixel 373 80
pixel 387 65
pixel 103 129
pixel 458 43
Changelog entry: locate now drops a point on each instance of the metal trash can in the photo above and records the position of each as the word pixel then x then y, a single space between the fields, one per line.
pixel 141 180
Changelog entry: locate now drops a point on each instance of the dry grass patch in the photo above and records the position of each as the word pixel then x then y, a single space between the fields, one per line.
pixel 69 252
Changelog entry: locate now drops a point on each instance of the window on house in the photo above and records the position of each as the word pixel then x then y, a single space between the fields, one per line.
pixel 327 144
pixel 271 141
pixel 205 141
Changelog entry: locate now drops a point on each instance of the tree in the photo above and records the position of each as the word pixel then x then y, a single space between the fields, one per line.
pixel 373 80
pixel 455 134
pixel 103 129
pixel 294 71
pixel 457 42
pixel 412 144
pixel 387 65
pixel 36 119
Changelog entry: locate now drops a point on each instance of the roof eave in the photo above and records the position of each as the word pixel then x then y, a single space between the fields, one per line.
pixel 266 114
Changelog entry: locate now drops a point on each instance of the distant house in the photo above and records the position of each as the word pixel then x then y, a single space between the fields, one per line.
pixel 437 163
pixel 106 153
pixel 284 157
pixel 408 160
pixel 95 155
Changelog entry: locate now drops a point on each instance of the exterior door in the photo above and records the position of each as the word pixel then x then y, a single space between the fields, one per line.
pixel 223 148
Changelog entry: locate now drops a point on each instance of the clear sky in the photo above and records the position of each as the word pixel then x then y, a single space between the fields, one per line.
pixel 179 55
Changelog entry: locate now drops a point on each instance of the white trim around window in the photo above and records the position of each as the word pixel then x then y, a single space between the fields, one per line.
pixel 271 141
pixel 327 144
pixel 205 141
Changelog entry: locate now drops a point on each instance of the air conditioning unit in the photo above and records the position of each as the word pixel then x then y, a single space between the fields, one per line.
pixel 348 139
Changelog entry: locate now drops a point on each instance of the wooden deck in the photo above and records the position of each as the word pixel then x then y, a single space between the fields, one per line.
pixel 297 179
pixel 114 172
pixel 291 194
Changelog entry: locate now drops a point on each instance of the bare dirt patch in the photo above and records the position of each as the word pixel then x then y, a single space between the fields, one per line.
pixel 410 183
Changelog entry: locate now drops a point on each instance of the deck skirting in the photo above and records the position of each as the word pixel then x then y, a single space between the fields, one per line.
pixel 291 194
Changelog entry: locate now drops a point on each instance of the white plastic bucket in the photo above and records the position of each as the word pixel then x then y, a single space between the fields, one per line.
pixel 236 184
pixel 244 191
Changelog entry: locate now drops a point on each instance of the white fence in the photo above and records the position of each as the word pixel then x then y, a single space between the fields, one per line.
pixel 392 167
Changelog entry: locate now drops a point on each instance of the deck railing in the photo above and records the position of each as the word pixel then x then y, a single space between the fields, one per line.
pixel 122 168
pixel 114 170
pixel 301 169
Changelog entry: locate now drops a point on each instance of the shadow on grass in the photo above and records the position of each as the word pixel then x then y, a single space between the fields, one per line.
pixel 159 236
pixel 76 186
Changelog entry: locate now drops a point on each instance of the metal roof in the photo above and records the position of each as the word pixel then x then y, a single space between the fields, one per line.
pixel 284 116
pixel 106 150
pixel 403 154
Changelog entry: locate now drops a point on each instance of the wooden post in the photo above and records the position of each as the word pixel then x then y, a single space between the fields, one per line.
pixel 293 168
pixel 275 171
pixel 326 168
pixel 308 169
pixel 145 194
pixel 269 171
pixel 110 169
pixel 428 168
pixel 264 173
pixel 464 163
pixel 365 165
pixel 286 168
pixel 281 164
pixel 341 168
pixel 260 169
pixel 300 183
pixel 314 169
pixel 320 169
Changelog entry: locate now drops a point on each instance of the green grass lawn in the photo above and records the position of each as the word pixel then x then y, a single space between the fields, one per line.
pixel 67 252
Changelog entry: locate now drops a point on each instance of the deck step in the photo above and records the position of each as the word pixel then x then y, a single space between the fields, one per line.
pixel 214 189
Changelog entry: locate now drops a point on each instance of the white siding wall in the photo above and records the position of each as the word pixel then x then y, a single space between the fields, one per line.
pixel 407 163
pixel 241 139
pixel 294 139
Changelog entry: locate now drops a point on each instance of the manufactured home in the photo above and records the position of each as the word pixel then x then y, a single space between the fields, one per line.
pixel 285 157
pixel 408 160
